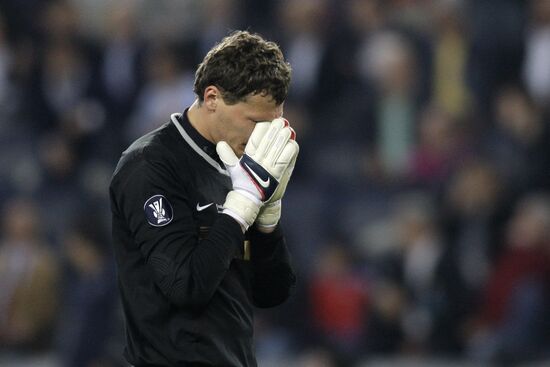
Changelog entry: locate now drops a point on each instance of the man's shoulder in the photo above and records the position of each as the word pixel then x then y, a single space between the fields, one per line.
pixel 161 140
pixel 157 146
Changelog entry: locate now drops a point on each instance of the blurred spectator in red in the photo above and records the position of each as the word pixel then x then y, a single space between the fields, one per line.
pixel 438 148
pixel 511 321
pixel 29 276
pixel 339 301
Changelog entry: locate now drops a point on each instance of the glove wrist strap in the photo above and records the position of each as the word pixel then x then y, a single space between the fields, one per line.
pixel 242 207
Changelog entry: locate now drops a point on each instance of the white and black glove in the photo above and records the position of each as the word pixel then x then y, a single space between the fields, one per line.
pixel 257 174
pixel 270 213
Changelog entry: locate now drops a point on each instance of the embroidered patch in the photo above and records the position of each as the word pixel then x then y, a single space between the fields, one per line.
pixel 158 211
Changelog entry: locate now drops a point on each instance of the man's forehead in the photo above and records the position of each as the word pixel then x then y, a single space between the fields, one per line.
pixel 263 106
pixel 260 98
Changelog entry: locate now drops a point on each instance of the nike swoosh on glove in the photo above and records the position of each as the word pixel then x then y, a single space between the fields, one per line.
pixel 256 175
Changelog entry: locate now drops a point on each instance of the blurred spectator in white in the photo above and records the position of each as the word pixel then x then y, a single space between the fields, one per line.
pixel 511 321
pixel 537 54
pixel 364 20
pixel 304 24
pixel 29 277
pixel 89 302
pixel 388 60
pixel 65 77
pixel 167 89
pixel 422 250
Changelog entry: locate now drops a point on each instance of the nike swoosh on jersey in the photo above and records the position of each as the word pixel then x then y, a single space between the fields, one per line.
pixel 200 208
pixel 263 183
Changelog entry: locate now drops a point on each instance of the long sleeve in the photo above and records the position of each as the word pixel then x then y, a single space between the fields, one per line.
pixel 273 275
pixel 186 270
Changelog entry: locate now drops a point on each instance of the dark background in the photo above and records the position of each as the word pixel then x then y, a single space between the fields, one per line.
pixel 418 214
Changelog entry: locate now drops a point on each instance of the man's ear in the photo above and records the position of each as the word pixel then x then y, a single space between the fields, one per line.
pixel 211 97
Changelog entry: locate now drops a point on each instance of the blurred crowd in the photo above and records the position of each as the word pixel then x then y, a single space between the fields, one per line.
pixel 418 214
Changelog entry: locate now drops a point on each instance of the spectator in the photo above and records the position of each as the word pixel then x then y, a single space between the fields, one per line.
pixel 450 57
pixel 29 280
pixel 511 323
pixel 422 248
pixel 90 295
pixel 166 89
pixel 339 302
pixel 121 74
pixel 537 54
pixel 438 148
pixel 518 143
pixel 389 60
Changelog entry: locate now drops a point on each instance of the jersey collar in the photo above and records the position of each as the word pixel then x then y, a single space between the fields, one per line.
pixel 205 148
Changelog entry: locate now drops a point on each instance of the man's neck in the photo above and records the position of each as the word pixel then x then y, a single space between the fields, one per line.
pixel 198 119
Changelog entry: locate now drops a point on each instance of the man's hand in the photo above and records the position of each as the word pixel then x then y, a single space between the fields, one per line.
pixel 257 174
pixel 270 213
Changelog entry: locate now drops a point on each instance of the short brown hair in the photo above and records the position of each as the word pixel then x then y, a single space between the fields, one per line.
pixel 241 64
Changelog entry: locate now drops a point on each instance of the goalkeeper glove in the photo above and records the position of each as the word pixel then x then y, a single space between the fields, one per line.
pixel 270 213
pixel 256 175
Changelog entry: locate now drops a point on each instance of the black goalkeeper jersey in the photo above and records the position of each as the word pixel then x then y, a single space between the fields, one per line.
pixel 188 276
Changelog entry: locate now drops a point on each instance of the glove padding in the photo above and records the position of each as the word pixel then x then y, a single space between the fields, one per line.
pixel 270 213
pixel 257 174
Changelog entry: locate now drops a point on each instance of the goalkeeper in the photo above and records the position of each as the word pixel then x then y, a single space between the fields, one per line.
pixel 195 212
